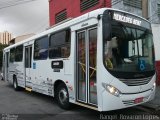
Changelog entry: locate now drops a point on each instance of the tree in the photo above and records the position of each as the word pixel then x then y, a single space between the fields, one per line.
pixel 1 53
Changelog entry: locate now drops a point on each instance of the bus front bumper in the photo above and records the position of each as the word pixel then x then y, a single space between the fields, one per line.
pixel 111 102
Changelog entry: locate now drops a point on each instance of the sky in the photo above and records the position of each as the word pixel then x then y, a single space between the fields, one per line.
pixel 21 17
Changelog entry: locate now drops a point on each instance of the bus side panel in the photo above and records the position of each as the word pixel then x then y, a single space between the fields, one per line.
pixel 45 76
pixel 11 72
pixel 16 69
pixel 70 69
pixel 19 72
pixel 41 77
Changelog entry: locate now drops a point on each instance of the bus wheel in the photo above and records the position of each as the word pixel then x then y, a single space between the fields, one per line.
pixel 62 96
pixel 15 84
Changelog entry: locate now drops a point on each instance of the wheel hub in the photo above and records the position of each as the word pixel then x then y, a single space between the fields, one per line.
pixel 63 96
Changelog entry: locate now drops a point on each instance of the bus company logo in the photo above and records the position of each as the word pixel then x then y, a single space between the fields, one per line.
pixel 126 19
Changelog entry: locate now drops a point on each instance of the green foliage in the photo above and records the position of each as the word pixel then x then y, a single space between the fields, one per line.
pixel 1 53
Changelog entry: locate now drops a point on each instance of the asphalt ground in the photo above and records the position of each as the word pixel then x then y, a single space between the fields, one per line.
pixel 23 105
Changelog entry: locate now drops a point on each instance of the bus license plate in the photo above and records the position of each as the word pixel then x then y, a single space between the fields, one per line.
pixel 138 100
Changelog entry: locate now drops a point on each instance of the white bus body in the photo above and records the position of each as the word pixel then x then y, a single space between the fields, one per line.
pixel 67 62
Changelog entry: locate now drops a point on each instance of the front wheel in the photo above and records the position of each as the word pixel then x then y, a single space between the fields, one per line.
pixel 62 96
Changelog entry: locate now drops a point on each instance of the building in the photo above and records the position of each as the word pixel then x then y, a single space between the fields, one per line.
pixel 154 16
pixel 60 10
pixel 5 37
pixel 20 38
pixel 149 9
pixel 138 7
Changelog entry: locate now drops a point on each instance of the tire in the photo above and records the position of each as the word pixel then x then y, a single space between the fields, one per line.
pixel 15 84
pixel 62 97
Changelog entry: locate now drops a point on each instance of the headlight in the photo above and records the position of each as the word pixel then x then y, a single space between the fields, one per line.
pixel 112 90
pixel 154 85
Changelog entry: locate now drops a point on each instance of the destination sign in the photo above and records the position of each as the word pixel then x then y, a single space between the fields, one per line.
pixel 127 19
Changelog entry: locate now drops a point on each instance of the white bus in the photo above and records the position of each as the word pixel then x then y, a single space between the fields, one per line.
pixel 103 60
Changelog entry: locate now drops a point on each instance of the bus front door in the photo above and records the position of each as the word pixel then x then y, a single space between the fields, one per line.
pixel 86 66
pixel 28 62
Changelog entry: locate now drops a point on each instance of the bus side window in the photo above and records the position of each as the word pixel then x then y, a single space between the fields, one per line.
pixel 59 44
pixel 41 48
pixel 12 55
pixel 19 53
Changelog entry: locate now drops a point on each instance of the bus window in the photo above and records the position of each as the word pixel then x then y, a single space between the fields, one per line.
pixel 12 55
pixel 19 53
pixel 59 45
pixel 41 48
pixel 128 49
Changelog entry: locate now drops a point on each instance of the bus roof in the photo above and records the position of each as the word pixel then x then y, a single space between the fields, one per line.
pixel 92 14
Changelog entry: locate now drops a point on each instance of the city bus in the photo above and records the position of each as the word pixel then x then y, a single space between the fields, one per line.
pixel 102 60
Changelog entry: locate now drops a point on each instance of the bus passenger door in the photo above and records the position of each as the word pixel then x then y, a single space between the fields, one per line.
pixel 28 62
pixel 86 66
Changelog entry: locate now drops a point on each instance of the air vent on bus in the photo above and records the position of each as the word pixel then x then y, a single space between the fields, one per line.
pixel 136 82
pixel 128 102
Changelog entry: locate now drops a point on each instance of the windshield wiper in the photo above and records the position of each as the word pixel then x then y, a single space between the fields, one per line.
pixel 137 44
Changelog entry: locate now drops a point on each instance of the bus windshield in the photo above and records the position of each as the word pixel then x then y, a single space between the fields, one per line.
pixel 129 51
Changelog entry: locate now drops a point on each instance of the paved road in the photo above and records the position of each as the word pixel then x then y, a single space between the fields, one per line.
pixel 23 105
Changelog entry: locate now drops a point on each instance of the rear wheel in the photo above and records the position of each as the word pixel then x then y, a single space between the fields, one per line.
pixel 15 84
pixel 62 96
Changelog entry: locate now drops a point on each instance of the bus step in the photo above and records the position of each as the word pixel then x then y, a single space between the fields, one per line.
pixel 87 106
pixel 28 89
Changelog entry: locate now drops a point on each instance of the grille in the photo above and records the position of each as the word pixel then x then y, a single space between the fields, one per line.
pixel 86 4
pixel 136 82
pixel 128 102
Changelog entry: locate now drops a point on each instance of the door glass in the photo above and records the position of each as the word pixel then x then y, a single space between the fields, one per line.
pixel 81 67
pixel 92 66
pixel 7 65
pixel 7 60
pixel 30 57
pixel 26 58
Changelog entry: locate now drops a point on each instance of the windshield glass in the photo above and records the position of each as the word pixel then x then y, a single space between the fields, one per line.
pixel 129 49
